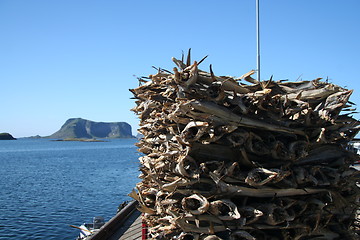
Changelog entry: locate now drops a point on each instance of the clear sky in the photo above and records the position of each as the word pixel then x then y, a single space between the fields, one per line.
pixel 61 59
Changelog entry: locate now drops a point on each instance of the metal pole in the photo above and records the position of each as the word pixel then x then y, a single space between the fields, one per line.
pixel 258 40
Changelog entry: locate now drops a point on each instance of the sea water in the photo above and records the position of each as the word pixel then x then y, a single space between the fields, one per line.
pixel 45 185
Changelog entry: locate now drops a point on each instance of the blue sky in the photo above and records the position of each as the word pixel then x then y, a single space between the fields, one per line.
pixel 77 58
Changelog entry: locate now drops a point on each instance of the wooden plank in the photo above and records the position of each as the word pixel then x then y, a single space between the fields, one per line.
pixel 114 224
pixel 134 231
pixel 131 229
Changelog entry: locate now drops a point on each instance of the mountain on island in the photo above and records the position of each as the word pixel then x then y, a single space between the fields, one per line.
pixel 6 136
pixel 75 128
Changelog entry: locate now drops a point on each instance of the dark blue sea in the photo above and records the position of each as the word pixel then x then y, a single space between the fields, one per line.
pixel 45 186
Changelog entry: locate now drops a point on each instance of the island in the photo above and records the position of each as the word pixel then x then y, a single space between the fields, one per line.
pixel 79 128
pixel 6 136
pixel 78 140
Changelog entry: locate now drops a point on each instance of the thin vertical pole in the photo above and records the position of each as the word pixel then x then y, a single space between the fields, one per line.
pixel 258 40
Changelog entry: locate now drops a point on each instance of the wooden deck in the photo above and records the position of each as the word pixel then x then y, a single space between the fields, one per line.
pixel 126 225
pixel 131 230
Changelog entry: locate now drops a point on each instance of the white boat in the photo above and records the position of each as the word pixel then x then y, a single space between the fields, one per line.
pixel 89 229
pixel 354 146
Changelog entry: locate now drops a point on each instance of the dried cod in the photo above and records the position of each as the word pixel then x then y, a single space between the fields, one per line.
pixel 235 158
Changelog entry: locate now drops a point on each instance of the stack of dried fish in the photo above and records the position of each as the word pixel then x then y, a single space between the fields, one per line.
pixel 228 160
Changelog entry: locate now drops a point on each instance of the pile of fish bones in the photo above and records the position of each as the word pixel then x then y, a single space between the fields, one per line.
pixel 237 158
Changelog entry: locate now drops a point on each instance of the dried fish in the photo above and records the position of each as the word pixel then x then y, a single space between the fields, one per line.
pixel 195 204
pixel 238 235
pixel 188 236
pixel 261 176
pixel 212 237
pixel 237 158
pixel 250 214
pixel 224 209
pixel 187 167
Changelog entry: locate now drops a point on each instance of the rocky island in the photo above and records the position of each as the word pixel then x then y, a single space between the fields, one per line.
pixel 79 128
pixel 6 136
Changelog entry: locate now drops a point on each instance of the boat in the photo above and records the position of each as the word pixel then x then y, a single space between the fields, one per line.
pixel 87 230
pixel 354 146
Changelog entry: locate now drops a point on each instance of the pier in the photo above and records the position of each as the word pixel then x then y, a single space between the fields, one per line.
pixel 126 224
